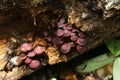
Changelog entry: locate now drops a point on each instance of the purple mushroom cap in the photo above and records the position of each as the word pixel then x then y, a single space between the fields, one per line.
pixel 34 64
pixel 81 41
pixel 39 49
pixel 56 40
pixel 74 38
pixel 25 47
pixel 79 48
pixel 60 32
pixel 22 56
pixel 28 60
pixel 81 35
pixel 67 33
pixel 67 27
pixel 65 48
pixel 31 54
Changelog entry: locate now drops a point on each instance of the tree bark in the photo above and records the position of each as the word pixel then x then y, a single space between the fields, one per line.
pixel 26 20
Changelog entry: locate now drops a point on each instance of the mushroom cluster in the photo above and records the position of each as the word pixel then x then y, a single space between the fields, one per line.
pixel 66 37
pixel 31 55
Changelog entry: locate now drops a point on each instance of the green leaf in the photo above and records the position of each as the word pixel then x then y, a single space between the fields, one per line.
pixel 116 69
pixel 114 46
pixel 94 63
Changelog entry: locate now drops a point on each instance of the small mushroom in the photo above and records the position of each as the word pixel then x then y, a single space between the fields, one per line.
pixel 39 49
pixel 25 47
pixel 34 64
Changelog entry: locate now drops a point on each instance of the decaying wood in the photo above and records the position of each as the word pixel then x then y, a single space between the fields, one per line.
pixel 98 19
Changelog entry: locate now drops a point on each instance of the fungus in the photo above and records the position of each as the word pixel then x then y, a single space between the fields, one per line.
pixel 60 32
pixel 81 35
pixel 67 27
pixel 79 48
pixel 67 33
pixel 74 38
pixel 25 47
pixel 34 64
pixel 28 60
pixel 22 56
pixel 39 49
pixel 81 41
pixel 31 54
pixel 56 40
pixel 66 36
pixel 65 48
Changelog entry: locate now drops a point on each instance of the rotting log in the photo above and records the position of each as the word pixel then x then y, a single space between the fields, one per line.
pixel 24 21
